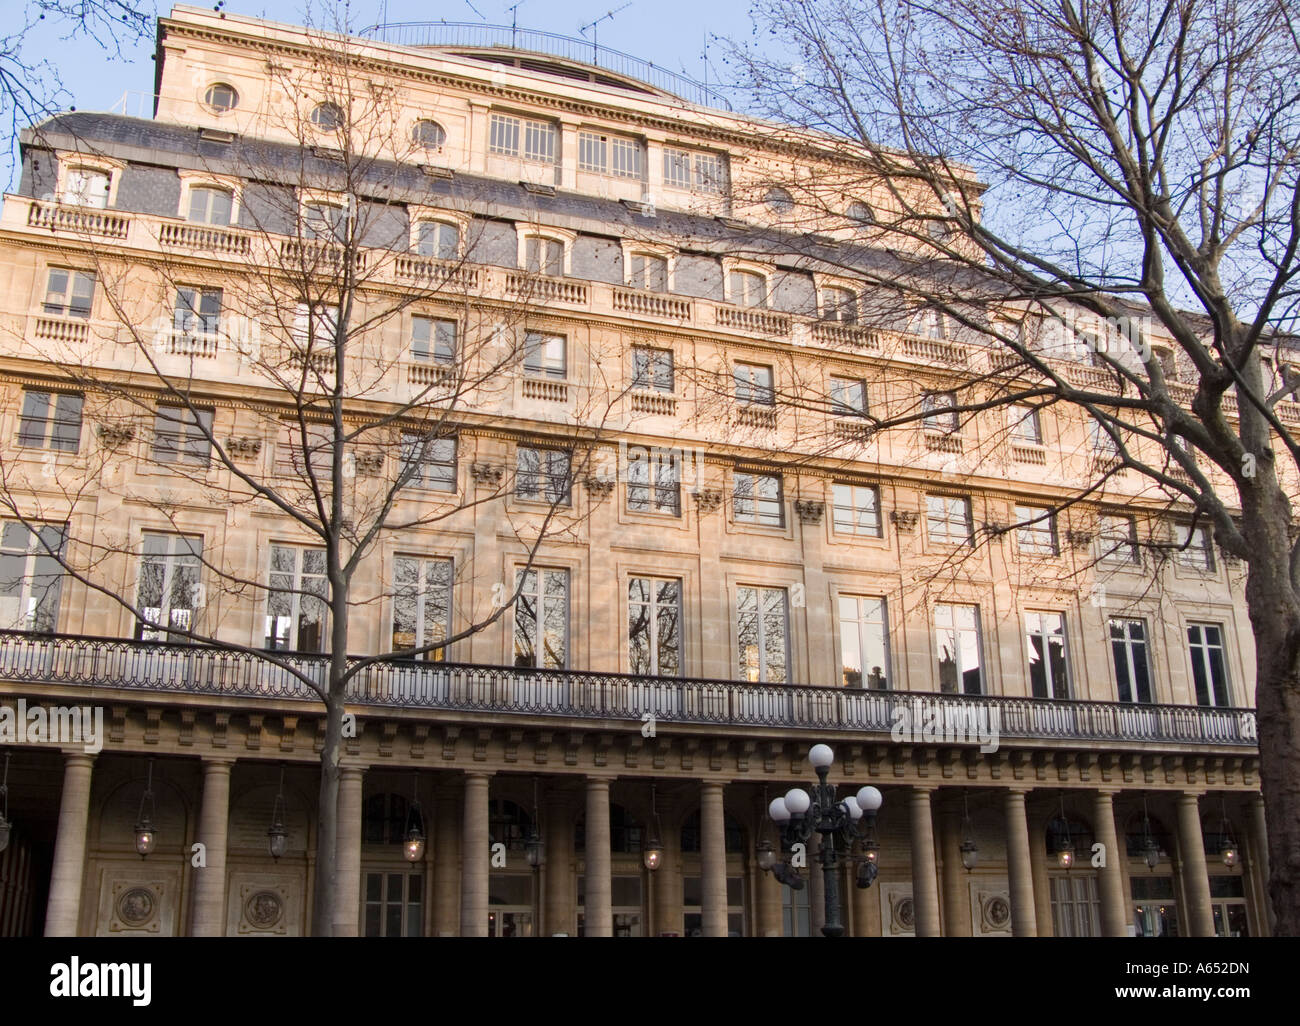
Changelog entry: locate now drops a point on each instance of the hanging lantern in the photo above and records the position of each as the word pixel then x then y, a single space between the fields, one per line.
pixel 970 853
pixel 414 843
pixel 652 855
pixel 145 838
pixel 1064 846
pixel 277 837
pixel 1150 848
pixel 1227 847
pixel 534 846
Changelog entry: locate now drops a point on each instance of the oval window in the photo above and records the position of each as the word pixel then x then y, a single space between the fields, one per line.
pixel 221 97
pixel 327 116
pixel 428 134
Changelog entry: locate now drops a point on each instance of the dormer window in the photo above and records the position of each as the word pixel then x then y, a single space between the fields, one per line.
pixel 927 323
pixel 325 220
pixel 438 239
pixel 747 288
pixel 839 304
pixel 211 205
pixel 86 187
pixel 544 256
pixel 647 271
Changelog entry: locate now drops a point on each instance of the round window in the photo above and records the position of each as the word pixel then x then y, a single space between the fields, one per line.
pixel 327 116
pixel 428 134
pixel 860 213
pixel 221 97
pixel 779 201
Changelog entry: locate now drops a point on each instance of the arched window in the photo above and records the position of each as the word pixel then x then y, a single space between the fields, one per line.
pixel 385 819
pixel 860 214
pixel 211 205
pixel 440 239
pixel 1135 835
pixel 328 117
pixel 86 187
pixel 508 824
pixel 428 134
pixel 221 97
pixel 779 200
pixel 324 220
pixel 748 288
pixel 625 832
pixel 839 304
pixel 733 834
pixel 544 256
pixel 1076 832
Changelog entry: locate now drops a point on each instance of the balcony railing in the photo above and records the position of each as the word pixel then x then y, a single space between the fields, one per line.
pixel 145 667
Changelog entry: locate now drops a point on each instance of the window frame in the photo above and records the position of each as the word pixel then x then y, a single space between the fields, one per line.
pixel 441 590
pixel 521 131
pixel 69 306
pixel 968 519
pixel 841 409
pixel 50 438
pixel 1214 690
pixel 757 517
pixel 181 552
pixel 647 378
pixel 296 592
pixel 436 351
pixel 748 392
pixel 1046 660
pixel 539 617
pixel 860 619
pixel 1033 525
pixel 179 445
pixel 737 273
pixel 855 529
pixel 1023 415
pixel 932 413
pixel 1127 642
pixel 960 644
pixel 760 619
pixel 38 617
pixel 434 472
pixel 544 475
pixel 653 495
pixel 652 622
pixel 218 109
pixel 1188 554
pixel 539 361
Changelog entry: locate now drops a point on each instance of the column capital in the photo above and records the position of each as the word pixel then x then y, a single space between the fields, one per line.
pixel 1107 792
pixel 217 760
pixel 1191 795
pixel 347 772
pixel 78 756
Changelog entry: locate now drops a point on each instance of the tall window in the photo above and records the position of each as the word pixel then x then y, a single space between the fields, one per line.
pixel 86 187
pixel 647 271
pixel 864 642
pixel 31 578
pixel 69 293
pixel 652 368
pixel 438 239
pixel 433 338
pixel 1118 539
pixel 848 397
pixel 1195 549
pixel 211 205
pixel 544 256
pixel 542 619
pixel 695 170
pixel 542 475
pixel 757 500
pixel 181 435
pixel 544 355
pixel 1049 669
pixel 197 311
pixel 763 634
pixel 654 626
pixel 1209 664
pixel 754 384
pixel 328 221
pixel 654 481
pixel 856 510
pixel 394 905
pixel 428 462
pixel 296 608
pixel 1076 906
pixel 421 604
pixel 748 288
pixel 839 305
pixel 957 637
pixel 948 519
pixel 168 592
pixel 610 155
pixel 1024 424
pixel 50 420
pixel 1128 646
pixel 1036 530
pixel 940 412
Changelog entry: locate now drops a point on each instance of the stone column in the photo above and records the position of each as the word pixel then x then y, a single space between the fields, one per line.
pixel 925 883
pixel 446 864
pixel 1020 872
pixel 1259 855
pixel 668 877
pixel 1192 868
pixel 767 891
pixel 474 855
pixel 558 910
pixel 598 916
pixel 713 861
pixel 347 861
pixel 1038 872
pixel 209 916
pixel 63 911
pixel 1110 878
pixel 956 889
pixel 866 908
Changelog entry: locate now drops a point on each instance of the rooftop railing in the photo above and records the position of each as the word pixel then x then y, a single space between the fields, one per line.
pixel 574 694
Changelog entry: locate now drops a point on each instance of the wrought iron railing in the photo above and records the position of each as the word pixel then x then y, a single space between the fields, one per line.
pixel 459 687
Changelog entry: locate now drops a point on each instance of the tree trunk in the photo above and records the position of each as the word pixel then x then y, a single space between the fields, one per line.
pixel 324 898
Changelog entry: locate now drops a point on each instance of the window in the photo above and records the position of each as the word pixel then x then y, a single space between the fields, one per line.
pixel 182 435
pixel 864 642
pixel 296 610
pixel 538 138
pixel 1036 530
pixel 221 97
pixel 31 577
pixel 652 368
pixel 1195 550
pixel 394 905
pixel 695 170
pixel 856 510
pixel 654 626
pixel 433 338
pixel 421 604
pixel 318 461
pixel 168 593
pixel 542 475
pixel 763 635
pixel 69 293
pixel 50 420
pixel 948 519
pixel 796 914
pixel 439 239
pixel 927 323
pixel 1049 669
pixel 314 328
pixel 542 619
pixel 757 500
pixel 429 462
pixel 1118 539
pixel 210 205
pixel 428 134
pixel 328 221
pixel 328 117
pixel 544 256
pixel 940 412
pixel 1103 444
pixel 197 312
pixel 957 637
pixel 1024 425
pixel 646 271
pixel 544 355
pixel 610 155
pixel 754 384
pixel 86 187
pixel 748 288
pixel 848 397
pixel 1209 664
pixel 839 305
pixel 1128 645
pixel 654 480
pixel 860 214
pixel 778 200
pixel 1076 907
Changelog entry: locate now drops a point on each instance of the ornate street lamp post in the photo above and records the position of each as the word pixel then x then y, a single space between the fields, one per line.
pixel 841 823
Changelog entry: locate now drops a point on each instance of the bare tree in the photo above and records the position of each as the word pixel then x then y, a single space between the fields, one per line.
pixel 1112 184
